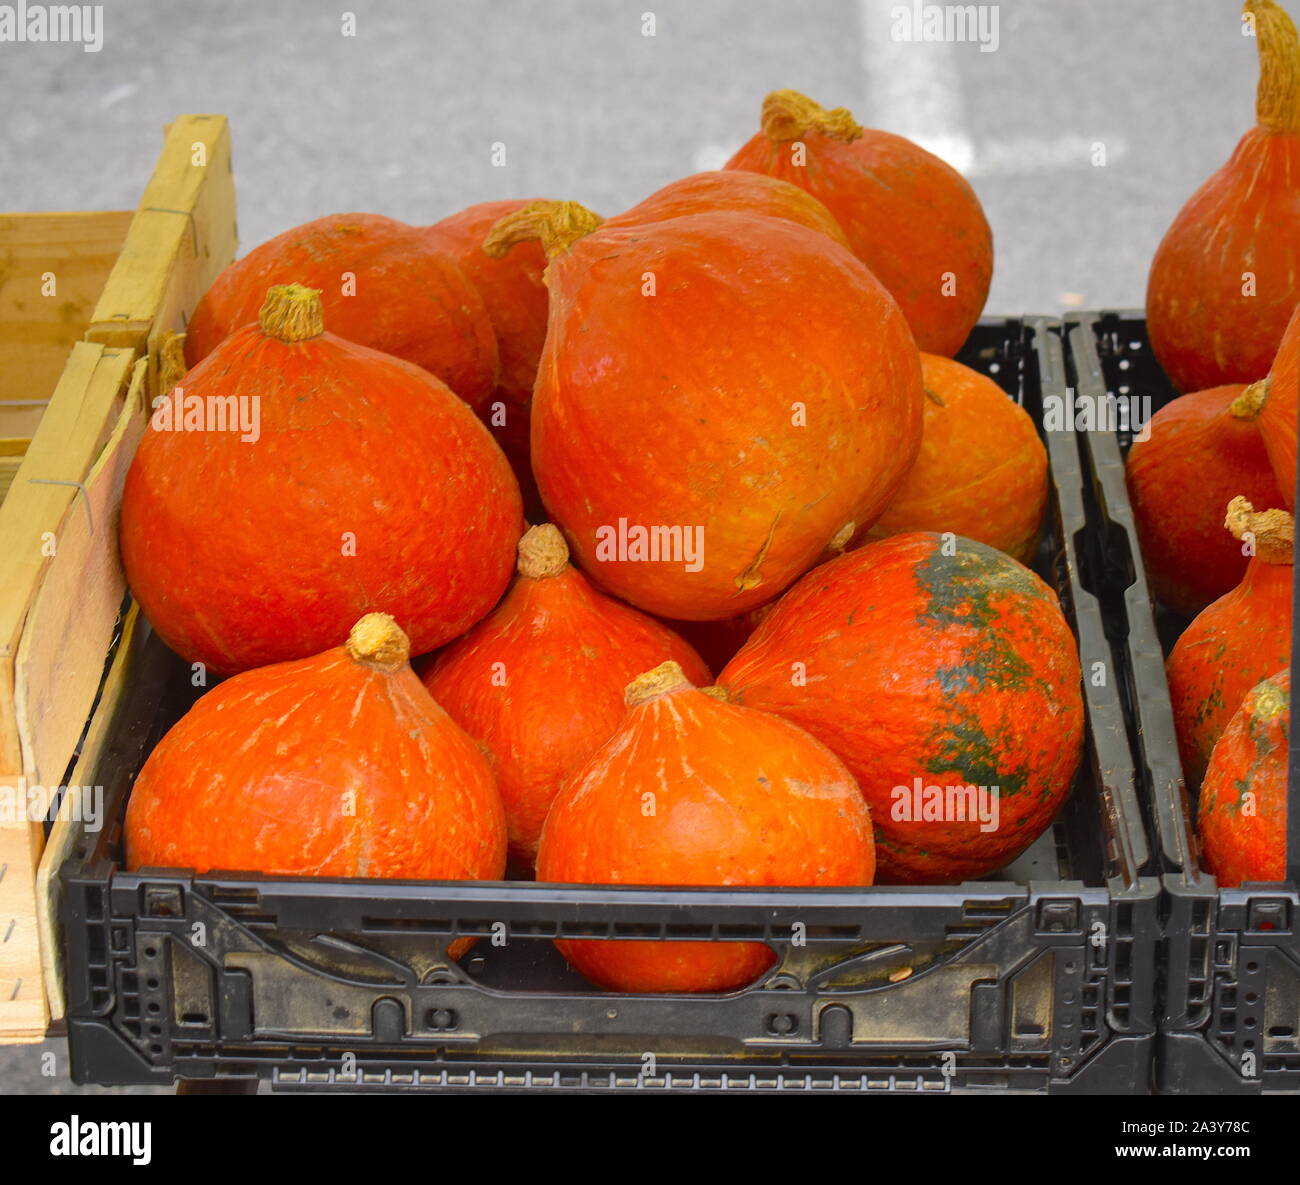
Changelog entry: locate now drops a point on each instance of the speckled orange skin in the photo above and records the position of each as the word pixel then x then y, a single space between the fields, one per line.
pixel 738 191
pixel 956 669
pixel 908 215
pixel 1250 758
pixel 1204 330
pixel 568 652
pixel 256 778
pixel 236 550
pixel 680 408
pixel 738 798
pixel 1198 458
pixel 411 298
pixel 1230 647
pixel 1279 415
pixel 516 301
pixel 981 471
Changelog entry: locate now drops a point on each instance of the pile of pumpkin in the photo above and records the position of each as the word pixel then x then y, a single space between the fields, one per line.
pixel 715 409
pixel 1225 325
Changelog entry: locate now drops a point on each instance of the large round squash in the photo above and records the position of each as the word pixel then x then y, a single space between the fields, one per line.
pixel 1223 282
pixel 362 483
pixel 383 284
pixel 982 469
pixel 720 395
pixel 1237 641
pixel 735 191
pixel 938 671
pixel 1241 815
pixel 694 791
pixel 1277 397
pixel 339 765
pixel 1201 451
pixel 540 680
pixel 909 216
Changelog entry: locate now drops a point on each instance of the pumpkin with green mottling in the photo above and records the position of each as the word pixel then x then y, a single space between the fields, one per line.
pixel 1241 817
pixel 931 660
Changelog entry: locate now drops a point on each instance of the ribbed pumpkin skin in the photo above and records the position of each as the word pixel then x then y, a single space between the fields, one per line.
pixel 236 550
pixel 738 798
pixel 255 778
pixel 411 298
pixel 1250 759
pixel 909 216
pixel 516 301
pixel 1231 646
pixel 1205 332
pixel 682 408
pixel 908 663
pixel 1280 413
pixel 568 652
pixel 981 471
pixel 1198 457
pixel 736 191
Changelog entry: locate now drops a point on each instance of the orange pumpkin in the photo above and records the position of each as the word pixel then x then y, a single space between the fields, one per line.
pixel 383 284
pixel 981 471
pixel 515 297
pixel 1241 816
pixel 739 192
pixel 1237 641
pixel 694 791
pixel 363 483
pixel 1222 284
pixel 540 680
pixel 1277 397
pixel 719 396
pixel 1200 451
pixel 911 218
pixel 946 679
pixel 340 765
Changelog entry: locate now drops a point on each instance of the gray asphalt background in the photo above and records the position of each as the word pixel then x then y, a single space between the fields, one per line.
pixel 402 118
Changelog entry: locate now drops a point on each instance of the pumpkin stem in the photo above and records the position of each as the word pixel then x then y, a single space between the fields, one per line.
pixel 171 360
pixel 1271 701
pixel 378 641
pixel 1277 99
pixel 542 552
pixel 788 115
pixel 556 225
pixel 840 540
pixel 292 313
pixel 716 692
pixel 666 677
pixel 1250 402
pixel 1273 530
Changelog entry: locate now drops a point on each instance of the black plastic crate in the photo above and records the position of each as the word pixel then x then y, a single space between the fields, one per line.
pixel 1038 979
pixel 1230 992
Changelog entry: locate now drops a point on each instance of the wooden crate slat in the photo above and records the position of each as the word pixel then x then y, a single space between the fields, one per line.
pixel 70 623
pixel 181 237
pixel 71 414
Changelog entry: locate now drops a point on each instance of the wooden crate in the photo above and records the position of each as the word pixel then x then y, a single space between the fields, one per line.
pixel 79 369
